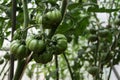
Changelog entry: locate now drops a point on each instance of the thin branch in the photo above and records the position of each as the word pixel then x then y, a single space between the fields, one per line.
pixel 26 62
pixel 3 67
pixel 57 67
pixel 110 71
pixel 37 75
pixel 116 73
pixel 68 65
pixel 64 7
pixel 111 67
pixel 112 48
pixel 5 73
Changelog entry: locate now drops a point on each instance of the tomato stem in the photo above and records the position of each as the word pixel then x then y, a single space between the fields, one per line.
pixel 26 16
pixel 3 67
pixel 64 7
pixel 68 64
pixel 22 63
pixel 14 5
pixel 57 67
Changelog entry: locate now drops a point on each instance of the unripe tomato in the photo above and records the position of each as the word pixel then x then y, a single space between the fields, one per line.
pixel 93 31
pixel 93 38
pixel 93 70
pixel 7 56
pixel 59 36
pixel 117 22
pixel 18 49
pixel 60 43
pixel 51 19
pixel 103 33
pixel 1 61
pixel 34 44
pixel 43 58
pixel 17 35
pixel 39 18
pixel 14 46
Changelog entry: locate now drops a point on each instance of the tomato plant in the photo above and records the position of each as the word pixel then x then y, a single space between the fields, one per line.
pixel 55 37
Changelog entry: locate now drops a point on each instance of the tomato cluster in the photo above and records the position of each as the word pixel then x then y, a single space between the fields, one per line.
pixel 39 44
pixel 42 53
pixel 51 19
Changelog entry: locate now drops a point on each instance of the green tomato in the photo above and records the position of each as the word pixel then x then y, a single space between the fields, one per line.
pixel 93 70
pixel 16 35
pixel 117 22
pixel 14 47
pixel 104 33
pixel 59 36
pixel 1 61
pixel 60 43
pixel 19 50
pixel 7 56
pixel 43 58
pixel 28 39
pixel 58 16
pixel 35 45
pixel 22 51
pixel 39 18
pixel 93 31
pixel 13 42
pixel 93 38
pixel 51 19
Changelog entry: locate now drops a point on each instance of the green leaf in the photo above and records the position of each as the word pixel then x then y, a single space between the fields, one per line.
pixel 19 19
pixel 64 28
pixel 73 5
pixel 81 26
pixel 8 33
pixel 94 1
pixel 1 41
pixel 96 9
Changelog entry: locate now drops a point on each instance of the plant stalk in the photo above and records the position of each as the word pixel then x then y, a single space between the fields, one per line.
pixel 3 68
pixel 26 17
pixel 116 73
pixel 57 67
pixel 23 63
pixel 68 65
pixel 14 5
